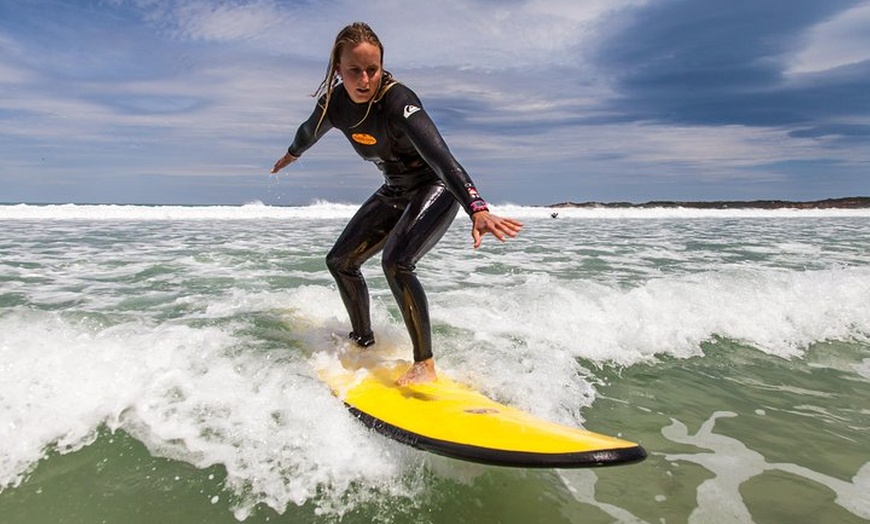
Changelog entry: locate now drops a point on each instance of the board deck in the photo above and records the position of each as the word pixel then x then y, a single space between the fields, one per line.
pixel 451 419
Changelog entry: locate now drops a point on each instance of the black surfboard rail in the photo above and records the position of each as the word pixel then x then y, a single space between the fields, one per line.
pixel 497 457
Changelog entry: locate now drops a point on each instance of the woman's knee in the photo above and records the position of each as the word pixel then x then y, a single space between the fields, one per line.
pixel 394 265
pixel 338 262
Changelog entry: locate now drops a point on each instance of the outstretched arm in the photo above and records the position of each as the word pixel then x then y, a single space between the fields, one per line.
pixel 308 133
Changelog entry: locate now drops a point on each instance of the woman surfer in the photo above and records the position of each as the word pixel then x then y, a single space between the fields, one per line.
pixel 423 188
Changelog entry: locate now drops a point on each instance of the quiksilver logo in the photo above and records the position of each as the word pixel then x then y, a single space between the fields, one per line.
pixel 364 139
pixel 410 110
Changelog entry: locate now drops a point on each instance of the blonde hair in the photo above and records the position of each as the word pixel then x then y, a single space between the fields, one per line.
pixel 352 35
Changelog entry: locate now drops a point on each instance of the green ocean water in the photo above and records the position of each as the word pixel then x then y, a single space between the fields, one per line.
pixel 162 371
pixel 812 421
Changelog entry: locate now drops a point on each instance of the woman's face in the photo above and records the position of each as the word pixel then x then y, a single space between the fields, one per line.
pixel 360 71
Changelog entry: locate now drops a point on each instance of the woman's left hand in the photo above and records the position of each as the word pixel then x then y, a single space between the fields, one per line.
pixel 484 222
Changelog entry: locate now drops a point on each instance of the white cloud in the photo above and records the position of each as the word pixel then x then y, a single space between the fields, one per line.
pixel 13 75
pixel 490 35
pixel 416 33
pixel 227 22
pixel 842 40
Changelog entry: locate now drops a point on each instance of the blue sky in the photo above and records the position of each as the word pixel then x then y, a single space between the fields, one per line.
pixel 191 101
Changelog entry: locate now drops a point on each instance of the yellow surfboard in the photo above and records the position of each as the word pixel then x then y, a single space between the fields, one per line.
pixel 451 419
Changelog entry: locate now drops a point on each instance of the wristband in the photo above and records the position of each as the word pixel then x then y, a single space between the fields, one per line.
pixel 477 206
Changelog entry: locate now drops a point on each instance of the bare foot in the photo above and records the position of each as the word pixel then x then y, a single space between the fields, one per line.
pixel 419 373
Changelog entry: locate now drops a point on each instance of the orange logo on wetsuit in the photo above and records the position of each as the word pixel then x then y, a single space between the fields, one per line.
pixel 364 139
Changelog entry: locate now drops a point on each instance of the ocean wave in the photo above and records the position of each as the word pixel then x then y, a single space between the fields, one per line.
pixel 322 209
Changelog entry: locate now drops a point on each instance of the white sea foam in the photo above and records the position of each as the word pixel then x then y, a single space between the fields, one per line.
pixel 323 209
pixel 114 212
pixel 188 393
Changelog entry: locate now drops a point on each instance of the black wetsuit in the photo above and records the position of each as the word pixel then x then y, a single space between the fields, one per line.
pixel 406 216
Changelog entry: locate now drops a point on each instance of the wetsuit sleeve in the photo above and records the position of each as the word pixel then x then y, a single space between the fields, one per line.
pixel 310 131
pixel 429 143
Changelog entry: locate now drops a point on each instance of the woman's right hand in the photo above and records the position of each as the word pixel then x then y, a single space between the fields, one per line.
pixel 484 222
pixel 283 162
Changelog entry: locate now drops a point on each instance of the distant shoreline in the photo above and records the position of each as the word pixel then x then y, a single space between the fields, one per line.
pixel 828 203
pixel 861 202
